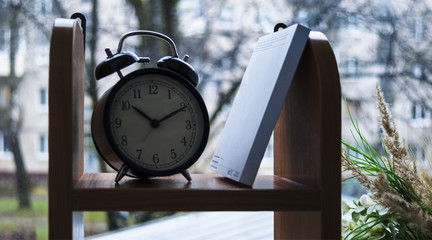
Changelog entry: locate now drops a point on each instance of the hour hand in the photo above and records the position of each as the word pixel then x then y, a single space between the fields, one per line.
pixel 154 123
pixel 142 113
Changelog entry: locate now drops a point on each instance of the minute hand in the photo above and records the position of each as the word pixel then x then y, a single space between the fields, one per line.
pixel 172 114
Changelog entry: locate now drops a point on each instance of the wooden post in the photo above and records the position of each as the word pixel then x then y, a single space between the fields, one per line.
pixel 307 142
pixel 66 126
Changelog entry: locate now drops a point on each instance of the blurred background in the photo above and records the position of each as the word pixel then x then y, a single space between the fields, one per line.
pixel 376 42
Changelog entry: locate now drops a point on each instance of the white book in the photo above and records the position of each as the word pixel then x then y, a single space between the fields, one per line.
pixel 257 104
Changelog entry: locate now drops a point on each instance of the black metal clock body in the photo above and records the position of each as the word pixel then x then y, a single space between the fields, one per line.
pixel 153 121
pixel 156 121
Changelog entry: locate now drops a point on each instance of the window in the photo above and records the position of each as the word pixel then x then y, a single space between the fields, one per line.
pixel 4 96
pixel 419 30
pixel 42 146
pixel 41 47
pixel 44 6
pixel 352 21
pixel 43 99
pixel 42 54
pixel 417 71
pixel 5 146
pixel 352 66
pixel 419 111
pixel 420 115
pixel 4 38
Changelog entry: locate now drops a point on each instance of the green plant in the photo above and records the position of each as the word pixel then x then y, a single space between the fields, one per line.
pixel 394 181
pixel 366 220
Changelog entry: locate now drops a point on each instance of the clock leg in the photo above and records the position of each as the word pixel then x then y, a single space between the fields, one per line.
pixel 186 174
pixel 122 172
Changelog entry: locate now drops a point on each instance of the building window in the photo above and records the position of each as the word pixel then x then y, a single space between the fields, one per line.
pixel 4 96
pixel 352 21
pixel 419 30
pixel 43 99
pixel 41 48
pixel 417 71
pixel 4 38
pixel 420 115
pixel 42 147
pixel 5 146
pixel 44 6
pixel 352 66
pixel 43 143
pixel 419 111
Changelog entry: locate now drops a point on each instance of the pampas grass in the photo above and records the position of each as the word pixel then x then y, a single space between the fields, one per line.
pixel 394 180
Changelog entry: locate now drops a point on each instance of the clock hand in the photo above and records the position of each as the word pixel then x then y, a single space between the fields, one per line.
pixel 142 113
pixel 147 134
pixel 172 114
pixel 154 123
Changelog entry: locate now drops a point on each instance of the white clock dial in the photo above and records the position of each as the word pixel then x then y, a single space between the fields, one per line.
pixel 156 123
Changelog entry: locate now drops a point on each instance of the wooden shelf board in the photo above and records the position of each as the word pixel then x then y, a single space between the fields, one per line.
pixel 206 192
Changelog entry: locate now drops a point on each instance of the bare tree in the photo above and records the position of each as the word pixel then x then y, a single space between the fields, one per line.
pixel 11 118
pixel 398 55
pixel 404 49
pixel 223 53
pixel 319 15
pixel 17 15
pixel 158 16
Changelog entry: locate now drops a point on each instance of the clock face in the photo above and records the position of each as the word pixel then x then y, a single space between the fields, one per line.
pixel 157 124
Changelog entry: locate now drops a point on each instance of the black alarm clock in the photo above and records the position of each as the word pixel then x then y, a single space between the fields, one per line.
pixel 153 121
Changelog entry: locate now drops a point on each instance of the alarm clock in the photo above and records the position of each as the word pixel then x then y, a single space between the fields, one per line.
pixel 153 121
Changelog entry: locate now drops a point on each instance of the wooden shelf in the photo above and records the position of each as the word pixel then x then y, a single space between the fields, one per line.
pixel 304 191
pixel 206 192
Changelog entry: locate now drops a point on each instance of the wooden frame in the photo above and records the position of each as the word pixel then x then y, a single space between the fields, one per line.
pixel 304 192
pixel 66 127
pixel 307 142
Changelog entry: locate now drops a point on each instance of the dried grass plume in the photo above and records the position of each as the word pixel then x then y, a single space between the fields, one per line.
pixel 397 184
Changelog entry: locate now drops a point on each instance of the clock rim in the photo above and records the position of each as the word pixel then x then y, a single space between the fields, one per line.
pixel 100 138
pixel 134 168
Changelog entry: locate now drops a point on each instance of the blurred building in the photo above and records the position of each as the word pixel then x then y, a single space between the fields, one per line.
pixel 356 44
pixel 31 98
pixel 388 54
